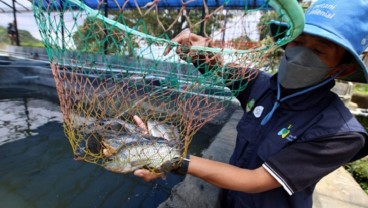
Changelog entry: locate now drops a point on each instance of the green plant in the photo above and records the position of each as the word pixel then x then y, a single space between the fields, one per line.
pixel 359 168
pixel 361 88
pixel 25 38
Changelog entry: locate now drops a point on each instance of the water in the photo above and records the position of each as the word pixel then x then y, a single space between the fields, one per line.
pixel 37 167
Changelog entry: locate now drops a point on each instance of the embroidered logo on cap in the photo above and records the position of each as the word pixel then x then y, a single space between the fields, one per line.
pixel 323 10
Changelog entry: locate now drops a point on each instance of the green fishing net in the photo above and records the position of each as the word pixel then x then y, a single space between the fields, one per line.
pixel 110 68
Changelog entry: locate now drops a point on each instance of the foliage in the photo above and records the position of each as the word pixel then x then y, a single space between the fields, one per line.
pixel 273 59
pixel 265 19
pixel 363 120
pixel 275 55
pixel 148 23
pixel 143 22
pixel 361 88
pixel 359 168
pixel 266 39
pixel 93 32
pixel 25 38
pixel 3 35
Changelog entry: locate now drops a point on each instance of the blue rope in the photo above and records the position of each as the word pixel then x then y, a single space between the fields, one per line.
pixel 279 101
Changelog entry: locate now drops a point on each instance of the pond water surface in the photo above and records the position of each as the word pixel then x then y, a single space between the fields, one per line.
pixel 37 167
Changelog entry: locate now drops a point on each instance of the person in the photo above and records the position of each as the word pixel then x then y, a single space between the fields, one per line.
pixel 297 130
pixel 11 33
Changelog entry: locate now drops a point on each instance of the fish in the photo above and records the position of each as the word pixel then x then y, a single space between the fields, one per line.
pixel 126 148
pixel 111 145
pixel 131 135
pixel 108 133
pixel 159 155
pixel 162 130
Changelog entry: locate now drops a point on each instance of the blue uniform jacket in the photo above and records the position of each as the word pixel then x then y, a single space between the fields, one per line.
pixel 316 114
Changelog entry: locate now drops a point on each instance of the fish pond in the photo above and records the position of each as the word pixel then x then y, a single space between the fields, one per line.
pixel 37 167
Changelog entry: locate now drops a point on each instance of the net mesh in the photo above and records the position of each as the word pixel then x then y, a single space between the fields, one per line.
pixel 111 72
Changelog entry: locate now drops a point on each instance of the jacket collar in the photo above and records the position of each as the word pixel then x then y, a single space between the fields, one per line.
pixel 307 99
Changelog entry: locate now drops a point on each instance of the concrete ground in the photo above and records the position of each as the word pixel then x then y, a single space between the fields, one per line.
pixel 339 189
pixel 336 190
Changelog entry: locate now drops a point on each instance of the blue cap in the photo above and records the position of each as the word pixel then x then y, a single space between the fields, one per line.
pixel 342 22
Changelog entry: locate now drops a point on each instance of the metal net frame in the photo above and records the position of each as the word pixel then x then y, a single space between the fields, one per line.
pixel 110 69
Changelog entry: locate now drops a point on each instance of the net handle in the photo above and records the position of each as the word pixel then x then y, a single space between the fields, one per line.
pixel 294 15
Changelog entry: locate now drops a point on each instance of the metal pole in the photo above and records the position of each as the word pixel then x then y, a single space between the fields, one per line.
pixel 15 24
pixel 223 34
pixel 201 30
pixel 105 29
pixel 62 24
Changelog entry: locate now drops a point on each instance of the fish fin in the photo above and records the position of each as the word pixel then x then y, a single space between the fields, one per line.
pixel 169 165
pixel 172 143
pixel 138 164
pixel 166 166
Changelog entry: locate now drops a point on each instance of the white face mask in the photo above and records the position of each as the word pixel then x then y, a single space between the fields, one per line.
pixel 301 67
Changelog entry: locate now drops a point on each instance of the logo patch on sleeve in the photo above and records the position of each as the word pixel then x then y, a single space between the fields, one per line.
pixel 257 112
pixel 250 105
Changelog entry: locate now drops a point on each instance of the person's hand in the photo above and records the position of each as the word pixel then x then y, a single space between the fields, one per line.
pixel 141 124
pixel 186 40
pixel 108 151
pixel 147 175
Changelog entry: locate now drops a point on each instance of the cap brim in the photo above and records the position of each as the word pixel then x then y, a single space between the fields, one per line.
pixel 361 73
pixel 279 29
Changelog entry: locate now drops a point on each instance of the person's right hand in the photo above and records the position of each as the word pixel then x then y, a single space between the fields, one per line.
pixel 186 40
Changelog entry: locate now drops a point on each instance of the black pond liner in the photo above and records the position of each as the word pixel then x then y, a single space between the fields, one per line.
pixel 37 168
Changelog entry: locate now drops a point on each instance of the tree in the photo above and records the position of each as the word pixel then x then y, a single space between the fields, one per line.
pixel 167 22
pixel 163 23
pixel 94 34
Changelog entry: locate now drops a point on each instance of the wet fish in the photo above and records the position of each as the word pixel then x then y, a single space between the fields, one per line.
pixel 112 145
pixel 157 154
pixel 109 133
pixel 123 143
pixel 155 130
pixel 162 130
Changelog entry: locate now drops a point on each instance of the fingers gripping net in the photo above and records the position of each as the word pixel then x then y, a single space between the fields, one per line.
pixel 132 97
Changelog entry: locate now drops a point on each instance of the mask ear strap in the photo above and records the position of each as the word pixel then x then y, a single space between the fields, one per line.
pixel 350 68
pixel 343 70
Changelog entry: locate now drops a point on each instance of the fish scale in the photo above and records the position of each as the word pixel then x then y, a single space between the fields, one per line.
pixel 148 154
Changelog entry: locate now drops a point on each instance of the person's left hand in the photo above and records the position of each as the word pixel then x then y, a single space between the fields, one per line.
pixel 147 175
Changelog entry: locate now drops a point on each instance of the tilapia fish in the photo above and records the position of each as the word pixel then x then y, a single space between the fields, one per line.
pixel 126 148
pixel 158 154
pixel 109 133
pixel 155 130
pixel 162 130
